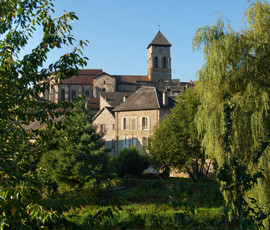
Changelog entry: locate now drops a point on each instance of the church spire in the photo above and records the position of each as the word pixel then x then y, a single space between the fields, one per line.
pixel 159 40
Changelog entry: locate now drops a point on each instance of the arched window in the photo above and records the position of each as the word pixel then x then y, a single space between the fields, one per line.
pixel 87 93
pixel 164 62
pixel 155 62
pixel 63 94
pixel 73 94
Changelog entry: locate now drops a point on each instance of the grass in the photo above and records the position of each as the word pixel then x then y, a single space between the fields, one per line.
pixel 154 204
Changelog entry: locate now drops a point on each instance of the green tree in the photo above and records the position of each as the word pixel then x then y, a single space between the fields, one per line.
pixel 79 159
pixel 237 64
pixel 20 83
pixel 175 143
pixel 130 161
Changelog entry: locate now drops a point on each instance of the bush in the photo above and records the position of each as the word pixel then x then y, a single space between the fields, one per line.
pixel 130 161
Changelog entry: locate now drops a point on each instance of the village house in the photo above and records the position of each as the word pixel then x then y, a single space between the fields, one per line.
pixel 136 117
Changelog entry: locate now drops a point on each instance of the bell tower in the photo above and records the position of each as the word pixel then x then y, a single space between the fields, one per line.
pixel 159 61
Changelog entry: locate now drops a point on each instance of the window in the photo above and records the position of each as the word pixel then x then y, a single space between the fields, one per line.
pixel 164 62
pixel 133 141
pixel 73 94
pixel 124 123
pixel 145 123
pixel 125 142
pixel 103 90
pixel 133 123
pixel 104 82
pixel 155 62
pixel 113 126
pixel 144 142
pixel 87 94
pixel 63 94
pixel 102 128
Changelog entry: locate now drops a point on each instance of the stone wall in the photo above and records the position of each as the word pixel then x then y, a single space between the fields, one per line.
pixel 104 83
pixel 129 137
pixel 107 119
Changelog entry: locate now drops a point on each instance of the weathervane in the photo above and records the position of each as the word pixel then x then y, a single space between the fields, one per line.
pixel 159 27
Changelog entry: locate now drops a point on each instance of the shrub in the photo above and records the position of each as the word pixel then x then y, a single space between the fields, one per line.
pixel 130 161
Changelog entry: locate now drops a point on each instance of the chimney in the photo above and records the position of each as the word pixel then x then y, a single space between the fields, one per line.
pixel 165 99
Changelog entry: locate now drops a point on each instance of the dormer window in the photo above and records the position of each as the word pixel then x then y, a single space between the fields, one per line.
pixel 164 62
pixel 155 62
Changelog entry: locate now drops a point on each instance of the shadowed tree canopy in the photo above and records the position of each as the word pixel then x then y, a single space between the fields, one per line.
pixel 21 81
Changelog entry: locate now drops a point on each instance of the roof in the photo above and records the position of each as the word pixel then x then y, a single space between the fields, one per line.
pixel 115 98
pixel 130 79
pixel 145 98
pixel 85 77
pixel 159 40
pixel 110 109
pixel 94 103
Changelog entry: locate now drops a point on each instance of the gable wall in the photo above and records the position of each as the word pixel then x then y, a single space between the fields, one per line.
pixel 108 120
pixel 104 83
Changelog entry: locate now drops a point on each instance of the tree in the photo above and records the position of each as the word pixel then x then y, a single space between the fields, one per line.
pixel 130 161
pixel 175 143
pixel 20 84
pixel 79 159
pixel 237 67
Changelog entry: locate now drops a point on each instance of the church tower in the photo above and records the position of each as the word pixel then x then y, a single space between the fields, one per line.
pixel 159 61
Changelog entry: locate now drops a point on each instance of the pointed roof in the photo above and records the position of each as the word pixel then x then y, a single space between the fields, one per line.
pixel 159 40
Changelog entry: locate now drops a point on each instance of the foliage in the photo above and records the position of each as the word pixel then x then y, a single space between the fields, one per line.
pixel 236 180
pixel 79 160
pixel 20 84
pixel 130 161
pixel 175 141
pixel 237 64
pixel 149 206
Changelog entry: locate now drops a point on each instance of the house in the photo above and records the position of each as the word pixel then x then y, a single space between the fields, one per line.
pixel 136 117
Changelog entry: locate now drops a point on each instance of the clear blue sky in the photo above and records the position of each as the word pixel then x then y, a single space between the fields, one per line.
pixel 120 30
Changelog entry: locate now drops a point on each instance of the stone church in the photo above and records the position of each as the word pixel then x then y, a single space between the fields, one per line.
pixel 93 82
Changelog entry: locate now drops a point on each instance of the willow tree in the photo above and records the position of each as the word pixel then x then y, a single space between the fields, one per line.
pixel 237 63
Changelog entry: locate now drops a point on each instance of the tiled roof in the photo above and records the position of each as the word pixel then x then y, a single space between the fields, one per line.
pixel 85 77
pixel 145 98
pixel 115 98
pixel 159 40
pixel 130 79
pixel 94 103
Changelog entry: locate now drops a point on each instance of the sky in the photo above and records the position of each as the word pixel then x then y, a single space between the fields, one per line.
pixel 119 31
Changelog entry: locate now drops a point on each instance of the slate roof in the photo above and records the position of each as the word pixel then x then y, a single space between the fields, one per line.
pixel 94 103
pixel 130 79
pixel 85 77
pixel 145 98
pixel 159 40
pixel 115 98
